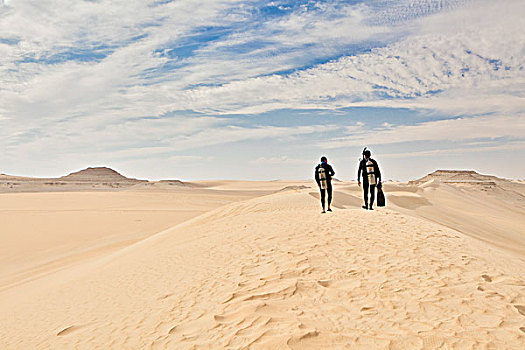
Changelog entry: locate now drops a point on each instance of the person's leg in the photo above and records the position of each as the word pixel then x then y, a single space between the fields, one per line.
pixel 365 194
pixel 322 198
pixel 372 195
pixel 329 192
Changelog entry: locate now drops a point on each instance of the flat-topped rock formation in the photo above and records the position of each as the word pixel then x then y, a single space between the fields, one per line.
pixel 173 182
pixel 98 174
pixel 95 178
pixel 459 177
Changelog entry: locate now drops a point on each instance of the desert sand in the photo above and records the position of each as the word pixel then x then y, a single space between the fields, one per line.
pixel 115 263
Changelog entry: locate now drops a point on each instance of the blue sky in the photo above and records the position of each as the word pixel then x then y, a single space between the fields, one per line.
pixel 207 89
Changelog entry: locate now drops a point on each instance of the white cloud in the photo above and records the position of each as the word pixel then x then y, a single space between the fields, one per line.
pixel 107 89
pixel 453 57
pixel 280 160
pixel 45 106
pixel 115 88
pixel 143 137
pixel 460 129
pixel 511 146
pixel 36 96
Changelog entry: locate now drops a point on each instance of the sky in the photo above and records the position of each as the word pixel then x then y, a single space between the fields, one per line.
pixel 260 90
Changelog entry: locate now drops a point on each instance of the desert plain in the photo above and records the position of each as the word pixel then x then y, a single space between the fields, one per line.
pixel 95 260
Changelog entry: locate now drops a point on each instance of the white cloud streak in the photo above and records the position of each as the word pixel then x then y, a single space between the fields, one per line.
pixel 473 53
pixel 280 160
pixel 511 146
pixel 460 129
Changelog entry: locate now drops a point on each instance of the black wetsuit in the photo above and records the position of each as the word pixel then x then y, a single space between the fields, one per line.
pixel 366 185
pixel 329 173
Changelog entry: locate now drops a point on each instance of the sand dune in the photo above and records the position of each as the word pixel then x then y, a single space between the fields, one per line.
pixel 263 269
pixel 45 232
pixel 484 207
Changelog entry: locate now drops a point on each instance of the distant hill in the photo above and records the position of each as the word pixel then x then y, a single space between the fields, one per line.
pixel 458 176
pixel 98 174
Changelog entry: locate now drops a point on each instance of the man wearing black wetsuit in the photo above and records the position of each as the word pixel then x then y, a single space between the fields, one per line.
pixel 323 177
pixel 370 170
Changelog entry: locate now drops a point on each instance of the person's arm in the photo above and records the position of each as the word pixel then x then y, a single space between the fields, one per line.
pixel 316 175
pixel 359 173
pixel 332 172
pixel 376 170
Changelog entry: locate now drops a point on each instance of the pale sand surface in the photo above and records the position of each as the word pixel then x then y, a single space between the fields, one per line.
pixel 44 232
pixel 494 214
pixel 252 269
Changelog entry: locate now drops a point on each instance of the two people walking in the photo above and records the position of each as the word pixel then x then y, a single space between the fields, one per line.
pixel 368 170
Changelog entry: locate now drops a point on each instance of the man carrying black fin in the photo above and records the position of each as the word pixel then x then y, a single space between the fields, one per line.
pixel 371 177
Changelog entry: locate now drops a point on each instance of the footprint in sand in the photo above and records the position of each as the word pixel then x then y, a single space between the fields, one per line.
pixel 219 318
pixel 297 340
pixel 521 309
pixel 172 330
pixel 368 310
pixel 68 330
pixel 487 278
pixel 325 283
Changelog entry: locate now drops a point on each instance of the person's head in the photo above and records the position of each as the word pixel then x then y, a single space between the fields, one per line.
pixel 323 159
pixel 366 153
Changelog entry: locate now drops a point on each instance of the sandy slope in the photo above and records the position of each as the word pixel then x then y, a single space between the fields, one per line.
pixel 45 232
pixel 495 215
pixel 271 272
